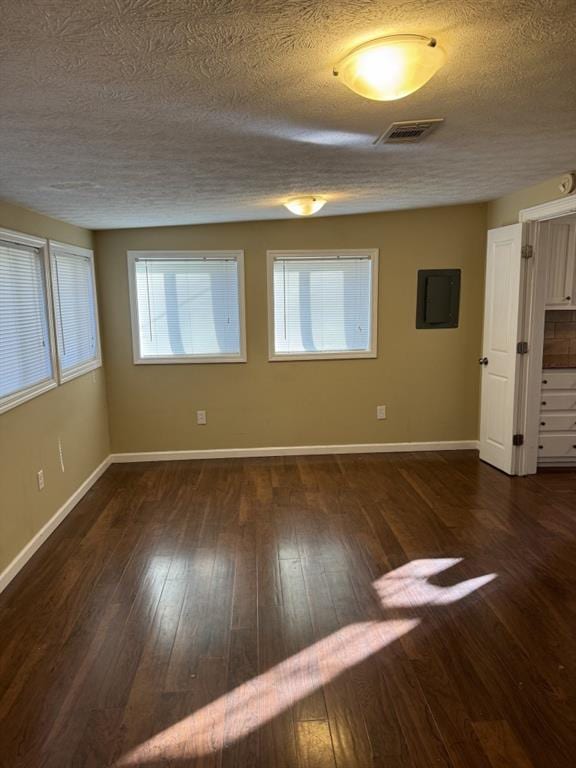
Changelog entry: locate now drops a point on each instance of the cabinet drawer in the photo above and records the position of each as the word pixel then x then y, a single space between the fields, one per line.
pixel 557 446
pixel 559 379
pixel 558 422
pixel 558 401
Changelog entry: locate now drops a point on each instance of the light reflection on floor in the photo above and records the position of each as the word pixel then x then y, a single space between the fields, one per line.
pixel 250 705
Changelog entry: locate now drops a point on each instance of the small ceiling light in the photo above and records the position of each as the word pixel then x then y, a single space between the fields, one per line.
pixel 305 206
pixel 391 67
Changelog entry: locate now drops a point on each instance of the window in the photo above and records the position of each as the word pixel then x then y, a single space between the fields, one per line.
pixel 322 304
pixel 187 307
pixel 75 310
pixel 26 344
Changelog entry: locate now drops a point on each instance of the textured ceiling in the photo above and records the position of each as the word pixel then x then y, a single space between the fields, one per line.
pixel 122 113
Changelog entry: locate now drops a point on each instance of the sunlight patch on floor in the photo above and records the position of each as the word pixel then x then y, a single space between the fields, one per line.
pixel 250 705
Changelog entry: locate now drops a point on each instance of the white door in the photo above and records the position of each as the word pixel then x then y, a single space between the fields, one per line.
pixel 499 359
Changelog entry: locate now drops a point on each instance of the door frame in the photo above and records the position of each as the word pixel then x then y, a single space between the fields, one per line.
pixel 532 308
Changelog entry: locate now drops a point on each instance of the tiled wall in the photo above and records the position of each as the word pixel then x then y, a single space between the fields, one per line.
pixel 560 339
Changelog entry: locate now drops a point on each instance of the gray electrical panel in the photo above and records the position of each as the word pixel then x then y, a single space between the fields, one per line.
pixel 438 301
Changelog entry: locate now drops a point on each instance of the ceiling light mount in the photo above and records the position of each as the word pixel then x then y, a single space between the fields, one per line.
pixel 392 67
pixel 305 206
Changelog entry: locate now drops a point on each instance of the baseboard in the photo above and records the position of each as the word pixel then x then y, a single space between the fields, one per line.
pixel 293 450
pixel 36 542
pixel 559 463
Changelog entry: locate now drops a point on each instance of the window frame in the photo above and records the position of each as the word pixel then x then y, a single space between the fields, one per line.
pixel 133 256
pixel 23 395
pixel 370 253
pixel 96 362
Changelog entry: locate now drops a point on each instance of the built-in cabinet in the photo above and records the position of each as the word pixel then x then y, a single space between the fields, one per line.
pixel 559 240
pixel 557 431
pixel 557 422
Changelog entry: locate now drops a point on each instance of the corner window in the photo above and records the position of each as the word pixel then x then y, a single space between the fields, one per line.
pixel 322 304
pixel 26 340
pixel 187 307
pixel 75 310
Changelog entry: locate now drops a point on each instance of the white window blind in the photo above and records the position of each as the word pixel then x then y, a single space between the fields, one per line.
pixel 188 307
pixel 75 310
pixel 322 305
pixel 25 347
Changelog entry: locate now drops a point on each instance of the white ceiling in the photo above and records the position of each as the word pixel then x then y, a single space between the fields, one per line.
pixel 122 113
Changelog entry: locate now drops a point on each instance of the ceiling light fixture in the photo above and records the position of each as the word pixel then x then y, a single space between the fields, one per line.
pixel 305 206
pixel 391 67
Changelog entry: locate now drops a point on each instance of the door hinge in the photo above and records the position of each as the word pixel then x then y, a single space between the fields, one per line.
pixel 522 347
pixel 527 251
pixel 518 440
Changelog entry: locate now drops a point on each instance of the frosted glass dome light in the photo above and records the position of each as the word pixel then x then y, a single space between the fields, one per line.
pixel 305 206
pixel 391 67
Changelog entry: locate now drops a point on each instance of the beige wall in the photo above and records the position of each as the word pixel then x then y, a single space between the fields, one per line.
pixel 428 379
pixel 76 412
pixel 505 209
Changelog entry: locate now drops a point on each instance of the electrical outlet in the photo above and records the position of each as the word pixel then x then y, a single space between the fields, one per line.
pixel 380 411
pixel 40 477
pixel 61 454
pixel 200 417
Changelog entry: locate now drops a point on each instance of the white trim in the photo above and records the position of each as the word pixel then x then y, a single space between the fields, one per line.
pixel 557 463
pixel 294 450
pixel 36 542
pixel 23 395
pixel 190 360
pixel 12 236
pixel 528 404
pixel 288 356
pixel 133 256
pixel 365 253
pixel 69 248
pixel 95 362
pixel 551 210
pixel 80 370
pixel 531 364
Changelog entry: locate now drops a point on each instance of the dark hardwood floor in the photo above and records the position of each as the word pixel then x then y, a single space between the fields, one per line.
pixel 398 611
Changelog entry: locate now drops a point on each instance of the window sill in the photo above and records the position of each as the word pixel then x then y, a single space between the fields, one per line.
pixel 188 360
pixel 274 358
pixel 18 398
pixel 80 370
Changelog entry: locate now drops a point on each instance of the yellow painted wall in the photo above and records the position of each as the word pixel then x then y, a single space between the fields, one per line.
pixel 505 209
pixel 428 379
pixel 76 412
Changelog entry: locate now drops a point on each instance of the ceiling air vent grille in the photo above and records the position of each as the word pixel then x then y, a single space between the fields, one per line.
pixel 408 131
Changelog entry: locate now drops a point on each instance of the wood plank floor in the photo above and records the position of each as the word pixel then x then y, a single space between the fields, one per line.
pixel 398 611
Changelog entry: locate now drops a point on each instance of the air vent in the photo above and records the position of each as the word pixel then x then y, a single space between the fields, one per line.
pixel 408 131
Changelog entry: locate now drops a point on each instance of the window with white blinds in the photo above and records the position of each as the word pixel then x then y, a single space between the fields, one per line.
pixel 187 307
pixel 26 360
pixel 75 310
pixel 322 304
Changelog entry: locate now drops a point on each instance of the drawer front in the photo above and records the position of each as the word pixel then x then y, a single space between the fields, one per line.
pixel 558 401
pixel 559 379
pixel 558 422
pixel 557 446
